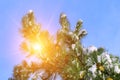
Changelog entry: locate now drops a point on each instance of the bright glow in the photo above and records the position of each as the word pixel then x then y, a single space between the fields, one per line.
pixel 37 47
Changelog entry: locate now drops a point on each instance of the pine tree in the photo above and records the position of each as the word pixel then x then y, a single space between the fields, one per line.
pixel 62 57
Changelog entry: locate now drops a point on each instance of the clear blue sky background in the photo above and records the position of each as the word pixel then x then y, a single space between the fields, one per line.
pixel 101 20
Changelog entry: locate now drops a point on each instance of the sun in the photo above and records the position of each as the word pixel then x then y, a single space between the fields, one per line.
pixel 37 47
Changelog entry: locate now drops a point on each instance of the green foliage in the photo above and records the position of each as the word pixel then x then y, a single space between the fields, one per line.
pixel 63 56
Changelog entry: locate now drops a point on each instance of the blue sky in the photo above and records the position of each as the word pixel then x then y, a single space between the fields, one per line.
pixel 101 20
